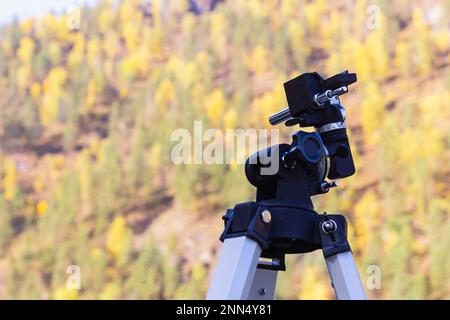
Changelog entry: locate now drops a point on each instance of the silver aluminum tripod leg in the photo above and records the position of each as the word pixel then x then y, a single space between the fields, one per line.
pixel 237 277
pixel 235 269
pixel 345 277
pixel 263 286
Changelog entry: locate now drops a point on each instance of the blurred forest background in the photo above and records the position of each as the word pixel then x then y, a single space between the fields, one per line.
pixel 86 118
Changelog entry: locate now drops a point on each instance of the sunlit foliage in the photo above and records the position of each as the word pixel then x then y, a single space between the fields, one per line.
pixel 86 118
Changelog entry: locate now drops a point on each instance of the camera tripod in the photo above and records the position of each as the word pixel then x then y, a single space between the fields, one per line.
pixel 258 235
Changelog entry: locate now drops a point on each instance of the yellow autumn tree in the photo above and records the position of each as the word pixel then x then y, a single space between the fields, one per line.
pixel 52 92
pixel 216 106
pixel 9 182
pixel 165 94
pixel 116 240
pixel 372 113
pixel 25 54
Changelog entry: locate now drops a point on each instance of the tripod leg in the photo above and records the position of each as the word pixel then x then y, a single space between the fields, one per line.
pixel 345 277
pixel 235 270
pixel 263 286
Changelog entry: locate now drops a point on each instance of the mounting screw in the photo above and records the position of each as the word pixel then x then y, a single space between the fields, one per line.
pixel 329 226
pixel 325 186
pixel 262 292
pixel 266 217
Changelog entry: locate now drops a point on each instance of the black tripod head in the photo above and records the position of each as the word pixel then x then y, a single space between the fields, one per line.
pixel 312 156
pixel 283 220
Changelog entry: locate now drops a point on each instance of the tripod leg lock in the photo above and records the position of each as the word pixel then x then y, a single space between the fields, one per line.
pixel 333 234
pixel 249 220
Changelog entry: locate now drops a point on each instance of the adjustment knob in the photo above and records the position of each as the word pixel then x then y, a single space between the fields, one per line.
pixel 306 147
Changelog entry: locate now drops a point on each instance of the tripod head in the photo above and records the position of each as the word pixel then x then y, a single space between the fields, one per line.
pixel 283 220
pixel 311 157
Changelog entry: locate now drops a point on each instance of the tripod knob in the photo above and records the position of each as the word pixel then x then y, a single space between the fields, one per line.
pixel 329 226
pixel 306 147
pixel 326 186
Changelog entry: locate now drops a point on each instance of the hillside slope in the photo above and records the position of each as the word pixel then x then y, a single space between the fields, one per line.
pixel 86 118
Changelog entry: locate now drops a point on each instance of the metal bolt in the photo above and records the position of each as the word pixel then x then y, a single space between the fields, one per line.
pixel 262 292
pixel 276 262
pixel 266 216
pixel 329 226
pixel 325 186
